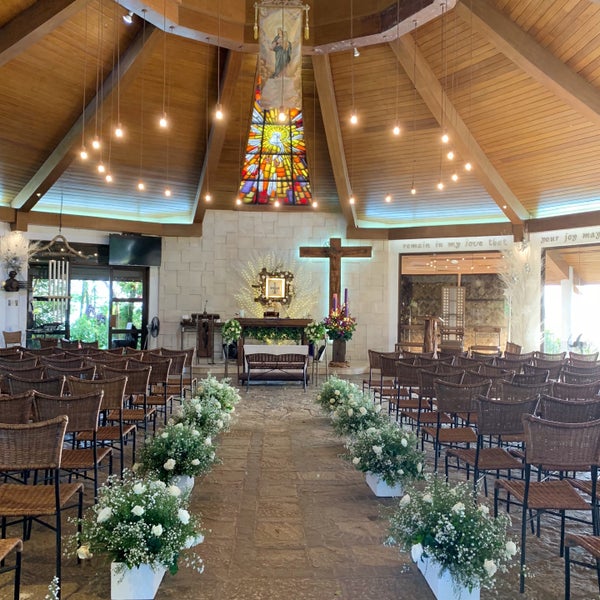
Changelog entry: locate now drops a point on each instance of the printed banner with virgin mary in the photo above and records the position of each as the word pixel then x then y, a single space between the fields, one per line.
pixel 280 57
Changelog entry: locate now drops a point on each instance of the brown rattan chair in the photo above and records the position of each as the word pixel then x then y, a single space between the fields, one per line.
pixel 374 368
pixel 576 391
pixel 509 391
pixel 20 361
pixel 6 547
pixel 49 385
pixel 589 543
pixel 83 412
pixel 158 386
pixel 88 372
pixel 498 422
pixel 12 338
pixel 16 409
pixel 557 356
pixel 512 348
pixel 113 435
pixel 73 362
pixel 570 374
pixel 591 357
pixel 540 376
pixel 37 447
pixel 407 378
pixel 553 447
pixel 568 411
pixel 385 388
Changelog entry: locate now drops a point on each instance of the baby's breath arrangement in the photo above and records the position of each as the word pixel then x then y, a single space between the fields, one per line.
pixel 231 331
pixel 314 332
pixel 178 449
pixel 334 392
pixel 356 413
pixel 388 451
pixel 139 521
pixel 444 522
pixel 205 414
pixel 223 391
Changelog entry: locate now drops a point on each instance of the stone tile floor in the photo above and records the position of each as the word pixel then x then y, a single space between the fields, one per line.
pixel 287 518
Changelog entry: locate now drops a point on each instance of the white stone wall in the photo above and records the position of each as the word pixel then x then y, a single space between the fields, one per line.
pixel 203 270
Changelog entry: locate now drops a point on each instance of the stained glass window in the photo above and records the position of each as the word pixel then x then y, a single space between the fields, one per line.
pixel 275 166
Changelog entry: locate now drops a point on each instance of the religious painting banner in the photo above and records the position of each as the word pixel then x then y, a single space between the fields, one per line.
pixel 280 57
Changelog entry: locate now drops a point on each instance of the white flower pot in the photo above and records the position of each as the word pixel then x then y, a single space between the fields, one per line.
pixel 441 583
pixel 184 482
pixel 381 489
pixel 139 583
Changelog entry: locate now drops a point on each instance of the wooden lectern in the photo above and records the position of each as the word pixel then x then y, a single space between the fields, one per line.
pixel 205 335
pixel 430 333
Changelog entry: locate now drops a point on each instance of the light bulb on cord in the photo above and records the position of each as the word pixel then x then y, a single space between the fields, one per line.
pixel 281 116
pixel 454 177
pixel 101 168
pixel 119 131
pixel 388 198
pixel 315 204
pixel 396 130
pixel 445 138
pixel 440 185
pixel 208 197
pixel 219 112
pixel 351 200
pixel 238 201
pixel 168 192
pixel 163 121
pixel 276 204
pixel 356 52
pixel 468 166
pixel 96 143
pixel 141 186
pixel 450 155
pixel 83 153
pixel 413 190
pixel 353 118
pixel 109 178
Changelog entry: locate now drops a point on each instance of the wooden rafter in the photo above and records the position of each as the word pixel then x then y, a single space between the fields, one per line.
pixel 218 131
pixel 333 134
pixel 35 22
pixel 534 59
pixel 431 92
pixel 62 156
pixel 563 266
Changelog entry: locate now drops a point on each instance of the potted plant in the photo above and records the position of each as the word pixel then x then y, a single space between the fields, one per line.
pixel 145 528
pixel 314 333
pixel 356 413
pixel 334 392
pixel 340 326
pixel 177 454
pixel 205 414
pixel 455 542
pixel 389 456
pixel 222 391
pixel 231 331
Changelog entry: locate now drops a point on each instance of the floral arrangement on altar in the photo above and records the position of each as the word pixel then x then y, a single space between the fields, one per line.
pixel 334 392
pixel 443 521
pixel 178 449
pixel 339 324
pixel 355 413
pixel 314 332
pixel 222 391
pixel 137 522
pixel 388 451
pixel 231 331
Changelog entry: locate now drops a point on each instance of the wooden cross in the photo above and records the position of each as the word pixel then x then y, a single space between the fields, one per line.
pixel 335 252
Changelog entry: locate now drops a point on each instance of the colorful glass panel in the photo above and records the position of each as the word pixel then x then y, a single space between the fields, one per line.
pixel 275 165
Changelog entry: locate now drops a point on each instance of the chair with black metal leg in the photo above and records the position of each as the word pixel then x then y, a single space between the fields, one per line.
pixel 6 547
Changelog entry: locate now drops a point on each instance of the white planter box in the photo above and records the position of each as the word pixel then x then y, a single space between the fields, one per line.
pixel 381 489
pixel 441 584
pixel 184 482
pixel 139 583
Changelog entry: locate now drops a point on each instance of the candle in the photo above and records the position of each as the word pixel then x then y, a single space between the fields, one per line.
pixel 335 302
pixel 346 301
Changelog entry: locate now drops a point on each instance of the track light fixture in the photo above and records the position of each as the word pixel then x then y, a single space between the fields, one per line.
pixel 128 18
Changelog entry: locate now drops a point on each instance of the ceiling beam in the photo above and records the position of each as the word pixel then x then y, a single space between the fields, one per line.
pixel 218 131
pixel 35 22
pixel 333 134
pixel 431 92
pixel 63 154
pixel 553 255
pixel 538 62
pixel 450 231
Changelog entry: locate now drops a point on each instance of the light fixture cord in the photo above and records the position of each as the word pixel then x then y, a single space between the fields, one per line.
pixel 352 52
pixel 85 56
pixel 414 124
pixel 142 82
pixel 164 56
pixel 397 61
pixel 219 53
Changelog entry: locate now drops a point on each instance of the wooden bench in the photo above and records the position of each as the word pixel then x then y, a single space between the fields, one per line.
pixel 265 366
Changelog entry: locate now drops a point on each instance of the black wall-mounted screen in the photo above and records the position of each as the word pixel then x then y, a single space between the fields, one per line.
pixel 134 250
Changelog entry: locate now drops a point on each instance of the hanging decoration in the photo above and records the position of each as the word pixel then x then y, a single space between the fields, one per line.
pixel 279 27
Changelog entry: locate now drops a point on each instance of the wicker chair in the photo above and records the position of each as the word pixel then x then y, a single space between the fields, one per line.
pixel 12 338
pixel 83 413
pixel 571 374
pixel 576 391
pixel 16 409
pixel 554 368
pixel 509 391
pixel 374 367
pixel 553 446
pixel 540 376
pixel 407 378
pixel 557 356
pixel 6 547
pixel 457 401
pixel 30 373
pixel 49 385
pixel 589 543
pixel 73 362
pixel 37 447
pixel 115 436
pixel 568 410
pixel 19 362
pixel 88 372
pixel 591 357
pixel 500 422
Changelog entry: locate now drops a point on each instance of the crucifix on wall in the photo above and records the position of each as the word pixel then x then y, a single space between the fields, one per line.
pixel 335 252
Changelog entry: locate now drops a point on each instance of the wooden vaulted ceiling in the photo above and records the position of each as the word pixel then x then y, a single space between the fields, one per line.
pixel 516 84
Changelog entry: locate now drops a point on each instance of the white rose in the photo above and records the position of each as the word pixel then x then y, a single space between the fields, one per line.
pixel 158 485
pixel 484 510
pixel 104 514
pixel 350 412
pixel 377 450
pixel 169 465
pixel 459 507
pixel 208 441
pixel 180 425
pixel 183 515
pixel 511 548
pixel 416 551
pixel 356 460
pixel 135 467
pixel 405 500
pixel 138 510
pixel 419 467
pixel 173 490
pixel 490 567
pixel 332 401
pixel 371 430
pixel 139 488
pixel 83 553
pixel 219 424
pixel 164 435
pixel 337 392
pixel 362 410
pixel 378 408
pixel 157 530
pixel 427 499
pixel 195 432
pixel 195 462
pixel 404 442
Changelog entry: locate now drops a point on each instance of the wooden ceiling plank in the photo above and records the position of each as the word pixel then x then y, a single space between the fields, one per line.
pixel 62 156
pixel 563 266
pixel 534 59
pixel 333 134
pixel 31 25
pixel 218 131
pixel 432 93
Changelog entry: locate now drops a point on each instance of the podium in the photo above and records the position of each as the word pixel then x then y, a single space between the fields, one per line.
pixel 205 335
pixel 430 333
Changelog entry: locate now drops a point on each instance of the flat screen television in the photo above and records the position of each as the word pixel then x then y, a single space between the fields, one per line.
pixel 134 250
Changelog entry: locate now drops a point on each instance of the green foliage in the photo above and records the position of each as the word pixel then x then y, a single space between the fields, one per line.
pixel 355 413
pixel 314 332
pixel 268 335
pixel 231 331
pixel 334 392
pixel 205 414
pixel 222 391
pixel 89 329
